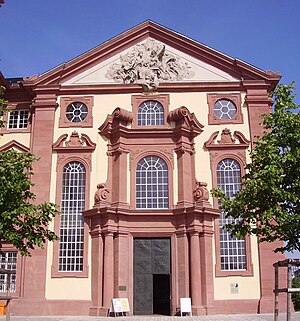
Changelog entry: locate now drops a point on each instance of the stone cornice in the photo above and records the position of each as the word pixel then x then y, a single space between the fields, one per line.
pixel 228 142
pixel 75 143
pixel 185 122
pixel 146 30
pixel 16 145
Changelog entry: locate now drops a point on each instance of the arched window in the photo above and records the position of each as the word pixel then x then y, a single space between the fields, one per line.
pixel 232 250
pixel 152 183
pixel 71 223
pixel 150 113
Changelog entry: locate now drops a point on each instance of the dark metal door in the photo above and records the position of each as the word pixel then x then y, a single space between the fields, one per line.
pixel 151 259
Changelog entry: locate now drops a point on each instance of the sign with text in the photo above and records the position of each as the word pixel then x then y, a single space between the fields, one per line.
pixel 119 305
pixel 125 305
pixel 185 305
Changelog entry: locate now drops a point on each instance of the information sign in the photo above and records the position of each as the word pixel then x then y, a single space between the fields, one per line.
pixel 185 306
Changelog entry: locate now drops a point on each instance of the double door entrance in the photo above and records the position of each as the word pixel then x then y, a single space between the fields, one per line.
pixel 152 275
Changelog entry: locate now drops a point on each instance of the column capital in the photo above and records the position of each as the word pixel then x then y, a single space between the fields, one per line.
pixel 108 233
pixel 194 233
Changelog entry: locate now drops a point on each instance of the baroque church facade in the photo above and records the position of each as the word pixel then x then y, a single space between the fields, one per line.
pixel 132 135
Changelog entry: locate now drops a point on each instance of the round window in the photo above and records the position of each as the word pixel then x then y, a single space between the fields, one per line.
pixel 225 109
pixel 76 112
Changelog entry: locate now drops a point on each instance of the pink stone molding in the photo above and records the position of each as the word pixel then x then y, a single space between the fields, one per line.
pixel 14 145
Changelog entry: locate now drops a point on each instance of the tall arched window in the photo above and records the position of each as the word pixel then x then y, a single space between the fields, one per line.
pixel 152 187
pixel 150 113
pixel 232 250
pixel 71 222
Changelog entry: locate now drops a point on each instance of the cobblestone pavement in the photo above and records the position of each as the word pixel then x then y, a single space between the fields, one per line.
pixel 228 317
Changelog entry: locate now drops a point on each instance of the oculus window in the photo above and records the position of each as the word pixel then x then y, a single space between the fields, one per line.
pixel 76 112
pixel 225 109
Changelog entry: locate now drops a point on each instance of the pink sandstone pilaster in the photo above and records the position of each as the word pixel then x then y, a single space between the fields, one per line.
pixel 196 290
pixel 183 264
pixel 207 271
pixel 121 265
pixel 41 141
pixel 186 179
pixel 259 103
pixel 97 273
pixel 108 280
pixel 119 178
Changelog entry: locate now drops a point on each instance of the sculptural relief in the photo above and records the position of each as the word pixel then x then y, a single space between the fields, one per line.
pixel 102 194
pixel 201 192
pixel 149 64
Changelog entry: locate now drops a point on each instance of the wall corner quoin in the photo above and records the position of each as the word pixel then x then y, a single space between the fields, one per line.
pixel 258 102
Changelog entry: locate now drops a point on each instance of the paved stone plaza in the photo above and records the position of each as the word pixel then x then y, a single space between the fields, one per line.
pixel 228 317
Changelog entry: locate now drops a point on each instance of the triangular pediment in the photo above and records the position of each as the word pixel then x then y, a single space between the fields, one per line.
pixel 155 59
pixel 172 58
pixel 13 144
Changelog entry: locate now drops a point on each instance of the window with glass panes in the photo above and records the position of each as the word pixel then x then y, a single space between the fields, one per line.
pixel 71 244
pixel 8 264
pixel 232 250
pixel 150 113
pixel 152 183
pixel 18 119
pixel 225 109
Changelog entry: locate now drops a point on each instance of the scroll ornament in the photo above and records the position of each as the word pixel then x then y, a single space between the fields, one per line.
pixel 148 64
pixel 102 194
pixel 201 193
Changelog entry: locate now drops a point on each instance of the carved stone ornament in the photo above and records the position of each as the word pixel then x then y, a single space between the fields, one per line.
pixel 237 140
pixel 201 193
pixel 183 117
pixel 74 140
pixel 226 137
pixel 102 194
pixel 31 78
pixel 148 64
pixel 272 73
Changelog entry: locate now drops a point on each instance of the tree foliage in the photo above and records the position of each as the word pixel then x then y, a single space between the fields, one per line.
pixel 3 110
pixel 269 203
pixel 23 223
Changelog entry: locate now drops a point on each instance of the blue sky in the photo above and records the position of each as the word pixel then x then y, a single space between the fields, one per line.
pixel 38 35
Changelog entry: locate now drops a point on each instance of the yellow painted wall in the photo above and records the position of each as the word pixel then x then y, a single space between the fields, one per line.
pixel 23 138
pixel 248 287
pixel 80 288
pixel 77 288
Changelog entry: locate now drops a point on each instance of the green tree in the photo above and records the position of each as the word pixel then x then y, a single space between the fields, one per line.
pixel 269 203
pixel 22 223
pixel 3 110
